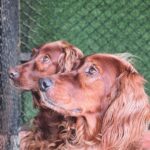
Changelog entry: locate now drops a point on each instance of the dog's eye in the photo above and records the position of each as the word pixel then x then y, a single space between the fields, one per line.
pixel 91 70
pixel 45 59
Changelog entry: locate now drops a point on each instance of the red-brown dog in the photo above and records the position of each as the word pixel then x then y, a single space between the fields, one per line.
pixel 106 96
pixel 50 58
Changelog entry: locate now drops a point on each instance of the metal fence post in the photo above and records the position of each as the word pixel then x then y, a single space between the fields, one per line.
pixel 9 96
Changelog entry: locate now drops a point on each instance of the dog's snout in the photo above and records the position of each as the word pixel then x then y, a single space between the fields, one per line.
pixel 45 83
pixel 13 73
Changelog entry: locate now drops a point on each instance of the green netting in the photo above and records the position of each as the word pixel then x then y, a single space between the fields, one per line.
pixel 106 26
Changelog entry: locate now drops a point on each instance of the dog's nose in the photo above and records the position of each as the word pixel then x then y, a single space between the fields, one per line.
pixel 13 73
pixel 45 83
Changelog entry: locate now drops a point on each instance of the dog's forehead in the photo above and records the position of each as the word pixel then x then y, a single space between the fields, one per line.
pixel 50 49
pixel 103 61
pixel 95 58
pixel 103 58
pixel 88 61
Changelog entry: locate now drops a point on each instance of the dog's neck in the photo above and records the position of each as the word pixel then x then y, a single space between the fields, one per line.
pixel 90 124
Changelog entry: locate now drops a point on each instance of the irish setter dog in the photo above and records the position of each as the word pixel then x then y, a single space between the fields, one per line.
pixel 103 101
pixel 50 58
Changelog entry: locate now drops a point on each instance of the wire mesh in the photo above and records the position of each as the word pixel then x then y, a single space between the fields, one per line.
pixel 105 26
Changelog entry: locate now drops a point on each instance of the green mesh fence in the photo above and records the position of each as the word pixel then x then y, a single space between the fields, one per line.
pixel 106 26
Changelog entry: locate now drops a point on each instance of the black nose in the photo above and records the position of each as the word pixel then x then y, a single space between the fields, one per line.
pixel 45 83
pixel 13 73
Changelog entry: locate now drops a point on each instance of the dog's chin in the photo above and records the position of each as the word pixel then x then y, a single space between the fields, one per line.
pixel 50 103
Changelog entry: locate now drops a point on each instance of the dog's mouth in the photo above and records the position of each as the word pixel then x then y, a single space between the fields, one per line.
pixel 16 84
pixel 50 103
pixel 20 86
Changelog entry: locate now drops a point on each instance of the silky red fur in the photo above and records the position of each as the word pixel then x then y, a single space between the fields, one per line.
pixel 106 99
pixel 47 59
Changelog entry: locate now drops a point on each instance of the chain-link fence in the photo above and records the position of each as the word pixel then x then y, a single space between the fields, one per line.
pixel 105 26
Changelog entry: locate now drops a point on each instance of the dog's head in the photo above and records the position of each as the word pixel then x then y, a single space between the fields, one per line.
pixel 99 79
pixel 85 89
pixel 50 58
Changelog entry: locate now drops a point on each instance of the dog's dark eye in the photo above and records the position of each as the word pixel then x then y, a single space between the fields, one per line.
pixel 45 59
pixel 91 70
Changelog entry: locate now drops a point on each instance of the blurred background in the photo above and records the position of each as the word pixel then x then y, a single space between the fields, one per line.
pixel 104 26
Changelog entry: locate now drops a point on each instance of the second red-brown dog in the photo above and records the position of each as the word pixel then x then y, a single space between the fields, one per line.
pixel 50 58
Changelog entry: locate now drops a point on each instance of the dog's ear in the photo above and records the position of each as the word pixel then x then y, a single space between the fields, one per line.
pixel 69 57
pixel 128 109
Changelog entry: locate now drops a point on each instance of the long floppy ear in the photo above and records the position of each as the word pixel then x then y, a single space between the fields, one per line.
pixel 125 119
pixel 68 58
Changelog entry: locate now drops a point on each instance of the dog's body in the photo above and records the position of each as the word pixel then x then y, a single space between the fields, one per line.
pixel 106 98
